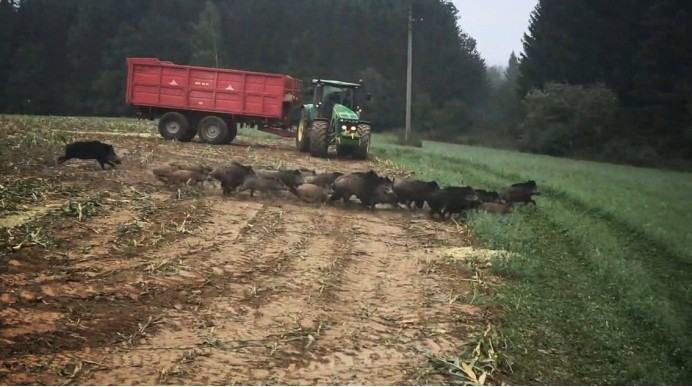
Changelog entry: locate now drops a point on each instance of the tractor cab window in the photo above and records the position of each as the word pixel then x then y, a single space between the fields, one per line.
pixel 348 99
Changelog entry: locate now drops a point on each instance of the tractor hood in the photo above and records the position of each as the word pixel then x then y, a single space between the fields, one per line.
pixel 343 113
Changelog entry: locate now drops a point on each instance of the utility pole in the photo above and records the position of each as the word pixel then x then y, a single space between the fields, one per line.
pixel 409 74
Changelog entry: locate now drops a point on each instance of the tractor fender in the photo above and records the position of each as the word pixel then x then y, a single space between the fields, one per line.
pixel 364 122
pixel 310 111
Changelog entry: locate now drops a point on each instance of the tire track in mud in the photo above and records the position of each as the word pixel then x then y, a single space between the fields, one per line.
pixel 378 309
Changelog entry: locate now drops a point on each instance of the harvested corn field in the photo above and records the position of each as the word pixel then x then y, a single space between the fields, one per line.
pixel 111 277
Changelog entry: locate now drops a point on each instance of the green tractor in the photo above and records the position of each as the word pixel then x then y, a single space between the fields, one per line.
pixel 333 118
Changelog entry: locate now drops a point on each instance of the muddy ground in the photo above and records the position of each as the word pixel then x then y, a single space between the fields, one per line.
pixel 108 277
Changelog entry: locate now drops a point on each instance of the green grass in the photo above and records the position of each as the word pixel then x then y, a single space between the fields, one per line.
pixel 602 291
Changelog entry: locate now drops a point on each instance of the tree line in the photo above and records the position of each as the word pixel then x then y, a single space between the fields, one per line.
pixel 68 56
pixel 599 80
pixel 608 80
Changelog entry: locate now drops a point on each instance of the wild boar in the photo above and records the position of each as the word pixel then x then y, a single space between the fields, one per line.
pixel 368 187
pixel 202 168
pixel 488 196
pixel 452 200
pixel 496 208
pixel 187 177
pixel 311 193
pixel 520 193
pixel 91 150
pixel 232 176
pixel 267 186
pixel 412 191
pixel 325 179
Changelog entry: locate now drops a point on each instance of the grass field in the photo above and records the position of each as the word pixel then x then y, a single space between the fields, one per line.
pixel 601 292
pixel 132 283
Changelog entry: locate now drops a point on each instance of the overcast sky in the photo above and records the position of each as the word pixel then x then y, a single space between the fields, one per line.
pixel 497 26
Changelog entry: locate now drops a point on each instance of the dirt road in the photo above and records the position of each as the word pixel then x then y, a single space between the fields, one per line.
pixel 131 284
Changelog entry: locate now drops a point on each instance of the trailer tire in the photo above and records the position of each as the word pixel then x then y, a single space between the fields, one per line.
pixel 302 137
pixel 175 126
pixel 361 152
pixel 319 143
pixel 232 131
pixel 213 130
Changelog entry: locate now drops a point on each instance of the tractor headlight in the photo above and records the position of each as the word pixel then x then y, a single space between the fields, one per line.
pixel 344 127
pixel 353 128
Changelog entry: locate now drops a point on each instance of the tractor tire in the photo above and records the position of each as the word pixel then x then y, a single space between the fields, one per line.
pixel 232 131
pixel 213 130
pixel 302 138
pixel 174 126
pixel 361 152
pixel 319 139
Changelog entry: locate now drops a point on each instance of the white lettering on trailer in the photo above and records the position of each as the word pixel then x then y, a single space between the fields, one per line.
pixel 198 83
pixel 173 83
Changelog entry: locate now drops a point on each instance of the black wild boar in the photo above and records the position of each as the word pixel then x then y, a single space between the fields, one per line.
pixel 452 200
pixel 232 176
pixel 384 193
pixel 520 193
pixel 311 193
pixel 488 196
pixel 368 187
pixel 291 177
pixel 325 179
pixel 267 186
pixel 412 191
pixel 496 208
pixel 91 150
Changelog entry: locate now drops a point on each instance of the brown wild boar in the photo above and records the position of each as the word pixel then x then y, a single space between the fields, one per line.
pixel 202 168
pixel 267 186
pixel 496 208
pixel 183 176
pixel 311 193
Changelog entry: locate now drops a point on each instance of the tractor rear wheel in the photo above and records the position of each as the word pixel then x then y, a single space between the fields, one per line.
pixel 175 126
pixel 319 139
pixel 212 130
pixel 302 138
pixel 361 152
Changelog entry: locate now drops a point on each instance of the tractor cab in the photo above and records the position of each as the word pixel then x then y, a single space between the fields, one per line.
pixel 333 118
pixel 328 94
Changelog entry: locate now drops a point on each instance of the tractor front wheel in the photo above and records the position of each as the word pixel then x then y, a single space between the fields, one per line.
pixel 319 139
pixel 213 130
pixel 302 138
pixel 361 152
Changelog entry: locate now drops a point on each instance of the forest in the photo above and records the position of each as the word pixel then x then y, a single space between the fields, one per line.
pixel 596 80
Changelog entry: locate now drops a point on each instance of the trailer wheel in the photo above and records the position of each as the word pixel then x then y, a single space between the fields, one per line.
pixel 302 138
pixel 319 142
pixel 232 131
pixel 174 126
pixel 212 130
pixel 361 152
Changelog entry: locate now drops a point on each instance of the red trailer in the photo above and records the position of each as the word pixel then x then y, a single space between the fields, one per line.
pixel 191 100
